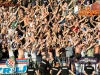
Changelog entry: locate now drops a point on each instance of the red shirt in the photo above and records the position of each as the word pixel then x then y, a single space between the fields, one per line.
pixel 75 28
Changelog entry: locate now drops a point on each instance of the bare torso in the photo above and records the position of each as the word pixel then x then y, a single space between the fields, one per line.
pixel 21 53
pixel 97 50
pixel 77 50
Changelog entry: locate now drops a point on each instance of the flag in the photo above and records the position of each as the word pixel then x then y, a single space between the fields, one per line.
pixel 9 63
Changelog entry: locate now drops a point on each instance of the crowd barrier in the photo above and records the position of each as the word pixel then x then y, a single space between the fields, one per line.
pixel 6 66
pixel 21 66
pixel 83 63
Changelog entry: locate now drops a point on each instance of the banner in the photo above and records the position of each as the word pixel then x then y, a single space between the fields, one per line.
pixel 85 60
pixel 83 63
pixel 6 66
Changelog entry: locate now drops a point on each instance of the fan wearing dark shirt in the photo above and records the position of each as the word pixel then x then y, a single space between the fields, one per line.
pixel 65 70
pixel 89 70
pixel 44 66
pixel 55 69
pixel 30 69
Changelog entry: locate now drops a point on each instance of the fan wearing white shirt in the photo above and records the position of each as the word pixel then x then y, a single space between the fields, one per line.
pixel 76 9
pixel 83 52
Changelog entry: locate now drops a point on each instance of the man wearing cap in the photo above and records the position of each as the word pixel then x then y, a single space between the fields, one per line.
pixel 89 70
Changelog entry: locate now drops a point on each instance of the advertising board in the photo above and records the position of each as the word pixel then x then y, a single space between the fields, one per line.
pixel 20 66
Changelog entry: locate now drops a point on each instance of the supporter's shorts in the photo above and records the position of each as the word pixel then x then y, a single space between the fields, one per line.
pixel 97 56
pixel 77 56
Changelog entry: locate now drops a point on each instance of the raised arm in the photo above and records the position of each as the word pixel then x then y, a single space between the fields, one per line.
pixel 59 72
pixel 22 37
pixel 82 19
pixel 71 72
pixel 70 2
pixel 27 45
pixel 92 44
pixel 17 10
pixel 71 8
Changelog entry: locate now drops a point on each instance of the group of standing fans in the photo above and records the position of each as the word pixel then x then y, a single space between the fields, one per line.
pixel 52 36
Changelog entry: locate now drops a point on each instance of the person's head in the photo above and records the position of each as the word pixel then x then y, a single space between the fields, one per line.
pixel 64 64
pixel 4 37
pixel 79 8
pixel 88 2
pixel 45 20
pixel 76 60
pixel 76 3
pixel 57 46
pixel 29 5
pixel 65 3
pixel 26 15
pixel 60 36
pixel 43 5
pixel 3 42
pixel 21 10
pixel 16 34
pixel 28 47
pixel 89 63
pixel 76 19
pixel 37 3
pixel 57 64
pixel 69 12
pixel 58 14
pixel 44 57
pixel 20 45
pixel 69 43
pixel 87 8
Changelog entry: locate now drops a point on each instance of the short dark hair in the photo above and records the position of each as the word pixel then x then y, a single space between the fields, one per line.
pixel 89 63
pixel 57 45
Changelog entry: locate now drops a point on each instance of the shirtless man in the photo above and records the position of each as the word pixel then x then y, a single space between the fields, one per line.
pixel 70 16
pixel 50 54
pixel 78 50
pixel 20 52
pixel 3 30
pixel 26 19
pixel 57 53
pixel 97 52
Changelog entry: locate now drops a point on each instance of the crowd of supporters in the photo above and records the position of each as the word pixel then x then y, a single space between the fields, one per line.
pixel 52 31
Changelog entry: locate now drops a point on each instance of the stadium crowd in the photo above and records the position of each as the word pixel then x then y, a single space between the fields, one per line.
pixel 51 33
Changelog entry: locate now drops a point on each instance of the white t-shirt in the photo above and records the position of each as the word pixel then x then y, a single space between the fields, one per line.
pixel 83 53
pixel 99 42
pixel 33 54
pixel 31 24
pixel 76 9
pixel 26 54
pixel 11 53
pixel 78 67
pixel 10 31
